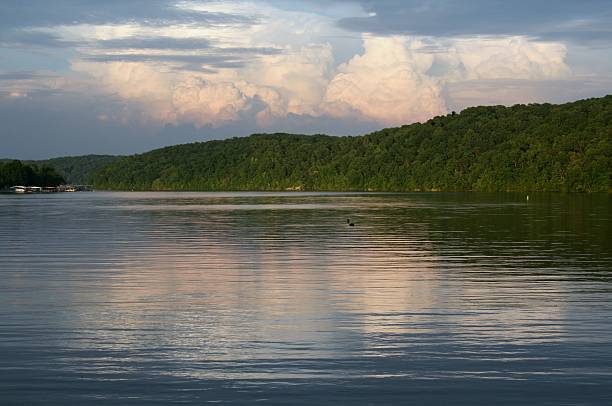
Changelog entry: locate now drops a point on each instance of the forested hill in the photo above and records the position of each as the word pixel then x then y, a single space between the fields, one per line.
pixel 536 147
pixel 77 169
pixel 15 173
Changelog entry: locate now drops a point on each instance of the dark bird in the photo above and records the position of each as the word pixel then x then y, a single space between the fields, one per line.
pixel 348 221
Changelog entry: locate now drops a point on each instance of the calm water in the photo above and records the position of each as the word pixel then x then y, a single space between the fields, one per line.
pixel 145 298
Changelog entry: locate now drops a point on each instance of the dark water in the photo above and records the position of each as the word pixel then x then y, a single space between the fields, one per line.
pixel 134 298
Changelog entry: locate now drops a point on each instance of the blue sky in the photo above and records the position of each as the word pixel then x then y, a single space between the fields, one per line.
pixel 120 77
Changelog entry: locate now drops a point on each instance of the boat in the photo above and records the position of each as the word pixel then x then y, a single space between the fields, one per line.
pixel 19 189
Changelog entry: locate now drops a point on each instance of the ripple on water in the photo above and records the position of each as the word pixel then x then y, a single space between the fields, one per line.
pixel 143 298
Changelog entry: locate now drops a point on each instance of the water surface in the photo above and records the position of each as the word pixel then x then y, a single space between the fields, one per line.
pixel 162 298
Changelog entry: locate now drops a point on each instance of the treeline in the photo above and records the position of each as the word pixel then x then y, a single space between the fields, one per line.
pixel 536 147
pixel 16 173
pixel 77 169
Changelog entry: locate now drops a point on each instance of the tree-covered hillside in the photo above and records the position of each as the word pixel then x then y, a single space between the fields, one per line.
pixel 16 173
pixel 77 169
pixel 536 147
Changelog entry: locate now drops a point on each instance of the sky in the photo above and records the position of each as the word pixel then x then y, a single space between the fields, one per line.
pixel 127 76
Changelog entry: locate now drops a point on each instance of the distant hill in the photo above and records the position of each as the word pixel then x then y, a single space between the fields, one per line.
pixel 536 147
pixel 77 169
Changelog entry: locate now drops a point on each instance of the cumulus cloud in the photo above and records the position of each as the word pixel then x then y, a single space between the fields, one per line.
pixel 147 88
pixel 503 71
pixel 283 64
pixel 388 83
pixel 393 81
pixel 510 58
pixel 261 64
pixel 269 88
pixel 206 103
pixel 400 80
pixel 299 77
pixel 160 95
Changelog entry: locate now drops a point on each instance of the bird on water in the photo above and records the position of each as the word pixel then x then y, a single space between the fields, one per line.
pixel 348 221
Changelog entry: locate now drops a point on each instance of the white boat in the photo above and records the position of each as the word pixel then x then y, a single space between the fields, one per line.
pixel 19 189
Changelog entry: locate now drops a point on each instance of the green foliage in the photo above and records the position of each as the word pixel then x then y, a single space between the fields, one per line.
pixel 537 147
pixel 77 169
pixel 13 173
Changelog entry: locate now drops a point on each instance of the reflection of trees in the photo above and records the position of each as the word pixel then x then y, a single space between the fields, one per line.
pixel 550 232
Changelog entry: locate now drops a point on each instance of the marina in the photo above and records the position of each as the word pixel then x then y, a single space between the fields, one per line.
pixel 19 189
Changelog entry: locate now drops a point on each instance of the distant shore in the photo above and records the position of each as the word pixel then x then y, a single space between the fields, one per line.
pixel 523 148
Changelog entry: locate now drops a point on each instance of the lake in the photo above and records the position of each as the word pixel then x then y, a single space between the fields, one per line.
pixel 238 298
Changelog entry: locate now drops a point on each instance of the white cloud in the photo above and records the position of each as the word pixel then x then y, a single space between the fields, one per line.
pixel 511 58
pixel 392 81
pixel 387 83
pixel 142 84
pixel 207 103
pixel 504 71
pixel 269 88
pixel 299 77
